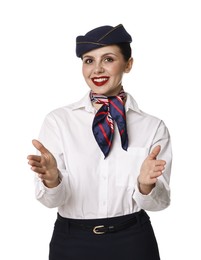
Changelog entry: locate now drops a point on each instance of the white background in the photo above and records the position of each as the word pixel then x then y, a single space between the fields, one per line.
pixel 39 72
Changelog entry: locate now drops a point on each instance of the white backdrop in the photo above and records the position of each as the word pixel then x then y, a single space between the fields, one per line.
pixel 39 72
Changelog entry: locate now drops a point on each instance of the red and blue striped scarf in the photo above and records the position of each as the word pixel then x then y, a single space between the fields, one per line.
pixel 103 124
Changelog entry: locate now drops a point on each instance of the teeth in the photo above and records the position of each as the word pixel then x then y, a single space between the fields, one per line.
pixel 100 80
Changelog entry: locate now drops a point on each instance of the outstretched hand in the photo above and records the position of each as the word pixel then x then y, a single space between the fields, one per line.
pixel 150 170
pixel 44 165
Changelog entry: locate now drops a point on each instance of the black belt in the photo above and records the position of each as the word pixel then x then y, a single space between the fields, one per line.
pixel 102 229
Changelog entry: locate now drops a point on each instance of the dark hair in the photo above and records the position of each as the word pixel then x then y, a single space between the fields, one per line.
pixel 125 49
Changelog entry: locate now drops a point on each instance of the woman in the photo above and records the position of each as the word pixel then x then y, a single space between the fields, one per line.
pixel 102 161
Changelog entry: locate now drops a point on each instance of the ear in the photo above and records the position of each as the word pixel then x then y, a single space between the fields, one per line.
pixel 129 65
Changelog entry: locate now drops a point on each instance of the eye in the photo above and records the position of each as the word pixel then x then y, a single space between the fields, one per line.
pixel 109 59
pixel 88 61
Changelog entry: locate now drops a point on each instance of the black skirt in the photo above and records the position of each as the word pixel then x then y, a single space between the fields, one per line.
pixel 129 237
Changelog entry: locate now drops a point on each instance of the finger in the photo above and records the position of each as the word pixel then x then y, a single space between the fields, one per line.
pixel 38 170
pixel 159 168
pixel 155 174
pixel 34 163
pixel 39 146
pixel 34 158
pixel 41 176
pixel 152 180
pixel 160 162
pixel 154 153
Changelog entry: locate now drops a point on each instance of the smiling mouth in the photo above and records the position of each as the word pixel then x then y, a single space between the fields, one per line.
pixel 100 81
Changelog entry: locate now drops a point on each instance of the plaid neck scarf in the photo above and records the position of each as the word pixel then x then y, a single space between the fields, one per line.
pixel 103 124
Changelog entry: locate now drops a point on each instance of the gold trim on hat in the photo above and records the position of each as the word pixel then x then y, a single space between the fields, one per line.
pixel 113 29
pixel 96 43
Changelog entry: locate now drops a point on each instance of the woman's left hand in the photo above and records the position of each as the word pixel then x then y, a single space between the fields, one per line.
pixel 150 170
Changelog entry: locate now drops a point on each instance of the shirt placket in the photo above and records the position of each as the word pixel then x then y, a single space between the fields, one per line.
pixel 103 189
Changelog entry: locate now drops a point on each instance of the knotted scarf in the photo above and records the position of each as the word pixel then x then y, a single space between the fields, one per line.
pixel 103 124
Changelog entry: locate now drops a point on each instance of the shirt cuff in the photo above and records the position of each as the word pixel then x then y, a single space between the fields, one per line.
pixel 149 201
pixel 44 189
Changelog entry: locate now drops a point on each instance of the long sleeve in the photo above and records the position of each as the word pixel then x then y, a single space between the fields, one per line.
pixel 159 197
pixel 53 197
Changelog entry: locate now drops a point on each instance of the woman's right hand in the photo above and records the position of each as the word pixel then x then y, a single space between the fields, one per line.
pixel 44 165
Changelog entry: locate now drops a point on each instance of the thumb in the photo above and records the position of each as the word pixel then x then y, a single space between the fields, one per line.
pixel 39 146
pixel 154 153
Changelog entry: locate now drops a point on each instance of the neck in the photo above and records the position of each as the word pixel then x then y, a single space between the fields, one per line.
pixel 97 106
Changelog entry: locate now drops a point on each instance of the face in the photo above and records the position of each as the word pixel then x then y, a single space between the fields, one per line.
pixel 103 69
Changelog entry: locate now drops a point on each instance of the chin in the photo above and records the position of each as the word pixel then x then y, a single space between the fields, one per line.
pixel 100 90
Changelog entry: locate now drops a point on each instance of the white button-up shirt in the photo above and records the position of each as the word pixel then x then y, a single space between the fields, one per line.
pixel 93 186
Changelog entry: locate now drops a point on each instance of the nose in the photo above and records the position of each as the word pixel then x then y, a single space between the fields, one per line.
pixel 98 68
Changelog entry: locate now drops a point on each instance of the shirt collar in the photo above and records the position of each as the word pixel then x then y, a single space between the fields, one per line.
pixel 85 102
pixel 131 104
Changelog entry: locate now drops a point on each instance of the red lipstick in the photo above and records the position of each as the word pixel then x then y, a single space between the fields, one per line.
pixel 100 81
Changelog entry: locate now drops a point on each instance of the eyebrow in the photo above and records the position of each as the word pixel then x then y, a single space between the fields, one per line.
pixel 105 54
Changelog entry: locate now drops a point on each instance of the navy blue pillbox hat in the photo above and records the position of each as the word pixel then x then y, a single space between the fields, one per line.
pixel 100 37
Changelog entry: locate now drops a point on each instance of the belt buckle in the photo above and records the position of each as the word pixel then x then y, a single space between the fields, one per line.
pixel 95 230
